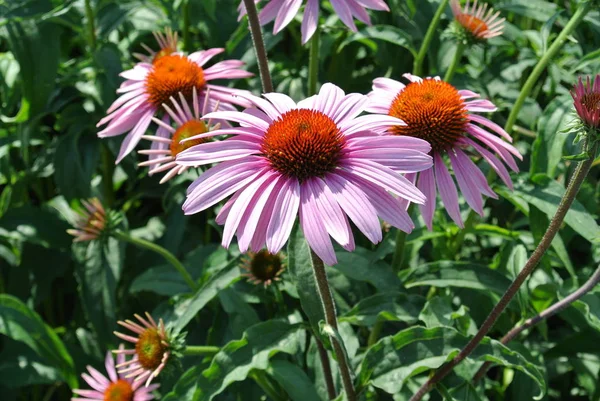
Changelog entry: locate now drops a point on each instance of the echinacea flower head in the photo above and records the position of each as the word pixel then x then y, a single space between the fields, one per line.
pixel 263 267
pixel 168 45
pixel 150 85
pixel 115 387
pixel 167 143
pixel 477 20
pixel 153 348
pixel 316 158
pixel 586 98
pixel 447 118
pixel 91 221
pixel 284 11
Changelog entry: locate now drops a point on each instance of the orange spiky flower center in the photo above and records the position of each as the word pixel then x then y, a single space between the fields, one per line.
pixel 471 23
pixel 264 266
pixel 165 51
pixel 170 75
pixel 432 110
pixel 303 144
pixel 120 390
pixel 187 130
pixel 591 101
pixel 150 348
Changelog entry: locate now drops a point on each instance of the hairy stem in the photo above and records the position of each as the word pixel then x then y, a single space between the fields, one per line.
pixel 460 49
pixel 326 369
pixel 541 65
pixel 169 257
pixel 259 46
pixel 545 314
pixel 418 64
pixel 553 228
pixel 313 63
pixel 331 320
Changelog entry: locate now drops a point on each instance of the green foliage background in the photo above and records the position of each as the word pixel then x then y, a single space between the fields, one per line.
pixel 59 302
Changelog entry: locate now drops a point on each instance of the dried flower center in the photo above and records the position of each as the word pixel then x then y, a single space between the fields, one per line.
pixel 170 75
pixel 120 390
pixel 472 24
pixel 187 130
pixel 432 110
pixel 591 101
pixel 303 144
pixel 265 266
pixel 150 349
pixel 165 51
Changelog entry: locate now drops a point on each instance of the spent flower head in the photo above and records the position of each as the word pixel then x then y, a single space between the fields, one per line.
pixel 475 22
pixel 263 267
pixel 115 387
pixel 155 348
pixel 447 118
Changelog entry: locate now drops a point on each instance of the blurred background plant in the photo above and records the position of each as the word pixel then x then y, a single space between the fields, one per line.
pixel 59 301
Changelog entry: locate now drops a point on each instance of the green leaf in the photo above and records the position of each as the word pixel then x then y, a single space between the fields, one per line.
pixel 293 379
pixel 302 276
pixel 439 312
pixel 457 274
pixel 35 225
pixel 98 271
pixel 546 197
pixel 358 265
pixel 20 366
pixel 387 33
pixel 162 280
pixel 185 311
pixel 393 306
pixel 548 145
pixel 393 360
pixel 516 262
pixel 589 306
pixel 22 324
pixel 237 358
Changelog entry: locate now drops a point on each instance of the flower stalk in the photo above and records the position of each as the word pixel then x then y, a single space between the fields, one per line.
pixel 169 257
pixel 460 49
pixel 326 369
pixel 573 188
pixel 313 66
pixel 542 64
pixel 418 63
pixel 194 350
pixel 331 320
pixel 545 314
pixel 259 46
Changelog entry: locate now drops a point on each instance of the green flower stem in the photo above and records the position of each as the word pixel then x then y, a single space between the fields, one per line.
pixel 259 46
pixel 169 257
pixel 545 314
pixel 398 258
pixel 185 11
pixel 91 27
pixel 460 49
pixel 331 320
pixel 326 369
pixel 469 225
pixel 313 62
pixel 375 332
pixel 418 64
pixel 261 378
pixel 193 350
pixel 108 169
pixel 565 203
pixel 541 65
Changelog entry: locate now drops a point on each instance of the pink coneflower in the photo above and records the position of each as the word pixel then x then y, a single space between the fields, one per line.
pixel 115 387
pixel 148 86
pixel 263 267
pixel 587 101
pixel 315 158
pixel 168 45
pixel 166 144
pixel 480 22
pixel 437 112
pixel 91 221
pixel 151 352
pixel 284 11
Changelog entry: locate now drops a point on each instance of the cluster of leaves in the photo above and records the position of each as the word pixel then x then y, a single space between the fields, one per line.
pixel 59 65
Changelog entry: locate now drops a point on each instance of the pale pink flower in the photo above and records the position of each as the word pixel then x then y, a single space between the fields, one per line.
pixel 481 22
pixel 284 11
pixel 166 144
pixel 317 159
pixel 437 112
pixel 148 86
pixel 168 45
pixel 152 349
pixel 91 221
pixel 587 101
pixel 115 387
